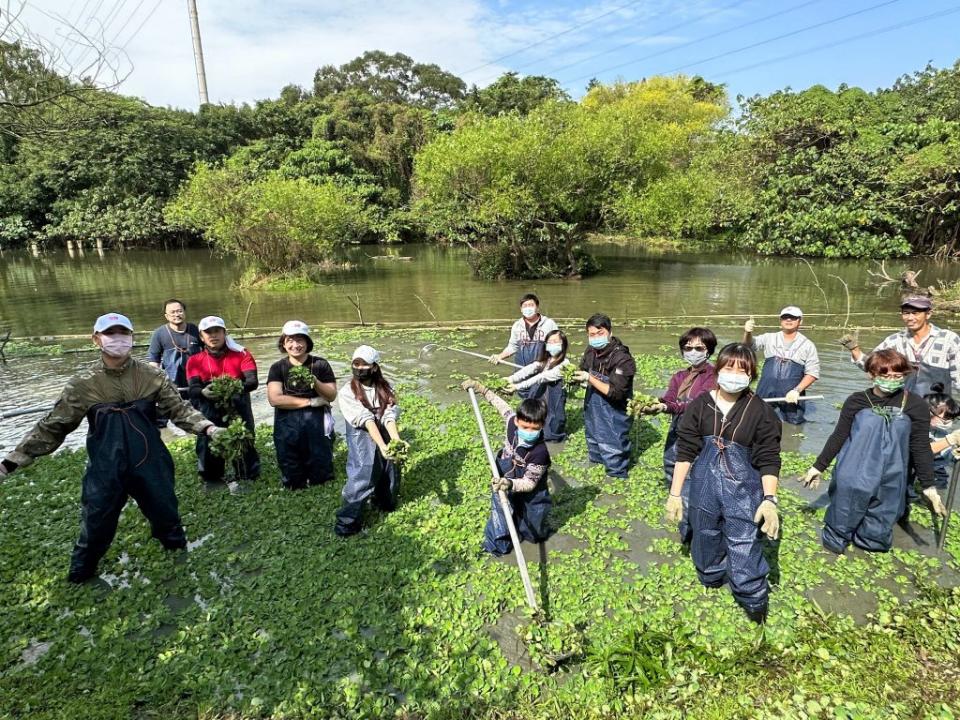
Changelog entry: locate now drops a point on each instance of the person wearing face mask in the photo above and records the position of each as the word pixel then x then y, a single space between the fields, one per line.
pixel 222 356
pixel 732 440
pixel 369 407
pixel 524 464
pixel 546 372
pixel 527 338
pixel 302 420
pixel 880 433
pixel 607 368
pixel 126 458
pixel 696 346
pixel 792 365
pixel 933 352
pixel 944 440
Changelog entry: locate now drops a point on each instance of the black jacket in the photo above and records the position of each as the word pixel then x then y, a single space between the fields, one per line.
pixel 616 362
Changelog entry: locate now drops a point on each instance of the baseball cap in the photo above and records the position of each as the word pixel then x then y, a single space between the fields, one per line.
pixel 367 354
pixel 917 301
pixel 109 320
pixel 792 310
pixel 295 327
pixel 211 321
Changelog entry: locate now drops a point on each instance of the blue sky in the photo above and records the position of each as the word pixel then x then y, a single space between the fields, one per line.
pixel 255 47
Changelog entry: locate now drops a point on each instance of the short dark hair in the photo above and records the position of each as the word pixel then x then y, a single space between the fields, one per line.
pixel 698 333
pixel 171 301
pixel 283 339
pixel 599 320
pixel 938 399
pixel 530 296
pixel 888 360
pixel 532 410
pixel 738 354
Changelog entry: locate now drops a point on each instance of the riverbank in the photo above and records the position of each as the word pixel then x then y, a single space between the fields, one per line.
pixel 268 614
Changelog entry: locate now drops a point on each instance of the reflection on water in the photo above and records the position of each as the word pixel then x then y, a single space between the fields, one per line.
pixel 62 294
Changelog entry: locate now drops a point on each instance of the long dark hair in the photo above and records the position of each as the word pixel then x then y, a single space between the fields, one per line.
pixel 385 394
pixel 549 360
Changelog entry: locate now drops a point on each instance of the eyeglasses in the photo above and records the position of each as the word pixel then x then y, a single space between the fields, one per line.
pixel 691 348
pixel 789 317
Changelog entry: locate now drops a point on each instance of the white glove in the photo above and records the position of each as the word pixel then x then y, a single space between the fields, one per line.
pixel 581 376
pixel 749 325
pixel 793 397
pixel 214 430
pixel 208 393
pixel 498 484
pixel 3 471
pixel 674 510
pixel 812 479
pixel 316 402
pixel 494 359
pixel 768 518
pixel 954 438
pixel 935 502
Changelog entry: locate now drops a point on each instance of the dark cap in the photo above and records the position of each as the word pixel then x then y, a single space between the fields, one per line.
pixel 918 302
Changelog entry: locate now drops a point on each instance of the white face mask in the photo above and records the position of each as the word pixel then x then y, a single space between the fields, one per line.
pixel 528 312
pixel 695 357
pixel 732 382
pixel 117 346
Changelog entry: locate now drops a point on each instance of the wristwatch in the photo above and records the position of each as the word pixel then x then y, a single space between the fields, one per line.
pixel 771 498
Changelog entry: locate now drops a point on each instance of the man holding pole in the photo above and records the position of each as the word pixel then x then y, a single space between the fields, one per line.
pixel 120 397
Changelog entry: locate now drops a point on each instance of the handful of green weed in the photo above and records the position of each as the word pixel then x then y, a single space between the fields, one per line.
pixel 300 378
pixel 553 643
pixel 638 402
pixel 567 372
pixel 232 442
pixel 225 390
pixel 399 451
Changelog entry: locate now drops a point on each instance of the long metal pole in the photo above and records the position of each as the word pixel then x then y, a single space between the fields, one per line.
pixel 951 496
pixel 198 51
pixel 505 506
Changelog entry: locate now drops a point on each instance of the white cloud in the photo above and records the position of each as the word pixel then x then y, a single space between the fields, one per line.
pixel 253 48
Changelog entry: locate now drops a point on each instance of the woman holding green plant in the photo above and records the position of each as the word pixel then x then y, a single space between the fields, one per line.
pixel 374 449
pixel 221 378
pixel 300 387
pixel 881 432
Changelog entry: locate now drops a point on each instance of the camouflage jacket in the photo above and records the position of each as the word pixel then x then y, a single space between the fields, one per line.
pixel 99 384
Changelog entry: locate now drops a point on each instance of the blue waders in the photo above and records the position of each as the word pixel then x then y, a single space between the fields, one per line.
pixel 924 376
pixel 555 428
pixel 528 352
pixel 369 475
pixel 211 467
pixel 725 492
pixel 125 458
pixel 607 431
pixel 304 442
pixel 868 483
pixel 778 377
pixel 530 511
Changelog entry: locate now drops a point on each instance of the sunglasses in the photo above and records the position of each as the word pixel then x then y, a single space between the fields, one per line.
pixel 789 317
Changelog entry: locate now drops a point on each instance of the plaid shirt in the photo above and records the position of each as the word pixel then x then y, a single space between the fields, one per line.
pixel 940 349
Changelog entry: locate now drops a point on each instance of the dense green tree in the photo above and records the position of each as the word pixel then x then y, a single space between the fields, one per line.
pixel 511 93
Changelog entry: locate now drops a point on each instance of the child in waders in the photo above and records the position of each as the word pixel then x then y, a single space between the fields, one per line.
pixel 543 378
pixel 370 413
pixel 880 433
pixel 524 462
pixel 302 419
pixel 732 440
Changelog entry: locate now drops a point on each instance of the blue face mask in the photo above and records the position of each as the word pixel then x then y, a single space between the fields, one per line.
pixel 527 437
pixel 554 350
pixel 599 343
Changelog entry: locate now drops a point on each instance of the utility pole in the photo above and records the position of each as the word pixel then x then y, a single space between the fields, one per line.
pixel 198 51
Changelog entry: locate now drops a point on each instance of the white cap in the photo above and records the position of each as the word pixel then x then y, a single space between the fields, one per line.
pixel 792 310
pixel 109 320
pixel 211 321
pixel 295 327
pixel 367 354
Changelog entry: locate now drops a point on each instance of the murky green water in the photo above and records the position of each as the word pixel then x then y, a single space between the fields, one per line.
pixel 62 293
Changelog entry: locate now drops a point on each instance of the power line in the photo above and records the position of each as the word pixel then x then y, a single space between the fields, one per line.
pixel 83 9
pixel 732 6
pixel 767 41
pixel 842 41
pixel 126 22
pixel 592 40
pixel 81 28
pixel 111 14
pixel 541 41
pixel 140 26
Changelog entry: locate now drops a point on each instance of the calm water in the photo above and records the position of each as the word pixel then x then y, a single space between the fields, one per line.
pixel 62 294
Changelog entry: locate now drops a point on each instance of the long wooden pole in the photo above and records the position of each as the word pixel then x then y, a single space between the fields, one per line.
pixel 951 496
pixel 505 506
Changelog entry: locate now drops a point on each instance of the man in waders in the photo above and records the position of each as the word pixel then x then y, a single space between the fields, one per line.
pixel 171 345
pixel 120 397
pixel 527 338
pixel 933 352
pixel 792 364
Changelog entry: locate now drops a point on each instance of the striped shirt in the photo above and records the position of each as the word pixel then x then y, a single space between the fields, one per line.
pixel 801 350
pixel 939 349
